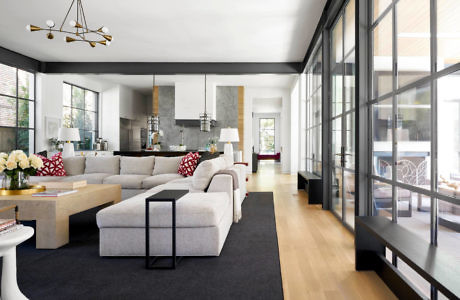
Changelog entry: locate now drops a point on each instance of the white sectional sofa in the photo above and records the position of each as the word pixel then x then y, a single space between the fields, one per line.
pixel 204 216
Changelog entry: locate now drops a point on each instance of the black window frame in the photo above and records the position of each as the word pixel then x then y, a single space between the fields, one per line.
pixel 17 98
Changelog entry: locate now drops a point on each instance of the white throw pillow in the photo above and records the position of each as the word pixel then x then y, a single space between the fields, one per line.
pixel 205 171
pixel 136 165
pixel 166 165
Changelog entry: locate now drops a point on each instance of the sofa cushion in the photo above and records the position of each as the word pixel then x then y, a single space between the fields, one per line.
pixel 136 165
pixel 205 171
pixel 74 165
pixel 192 210
pixel 107 164
pixel 153 181
pixel 228 159
pixel 93 178
pixel 126 181
pixel 166 165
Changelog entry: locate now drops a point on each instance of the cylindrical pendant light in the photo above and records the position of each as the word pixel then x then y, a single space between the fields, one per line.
pixel 205 118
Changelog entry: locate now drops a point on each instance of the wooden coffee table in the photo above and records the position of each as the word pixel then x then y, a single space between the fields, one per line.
pixel 52 213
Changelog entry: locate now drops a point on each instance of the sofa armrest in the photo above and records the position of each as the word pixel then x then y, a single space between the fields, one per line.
pixel 221 183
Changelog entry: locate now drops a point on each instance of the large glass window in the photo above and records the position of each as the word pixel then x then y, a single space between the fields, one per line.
pixel 80 111
pixel 314 111
pixel 17 109
pixel 415 113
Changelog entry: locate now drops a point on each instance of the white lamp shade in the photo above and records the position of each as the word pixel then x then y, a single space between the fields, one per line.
pixel 229 135
pixel 68 134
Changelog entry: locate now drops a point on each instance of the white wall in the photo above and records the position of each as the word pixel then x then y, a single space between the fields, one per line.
pixel 114 100
pixel 250 94
pixel 295 127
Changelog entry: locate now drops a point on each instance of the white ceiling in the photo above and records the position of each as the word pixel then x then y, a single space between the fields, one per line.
pixel 143 83
pixel 169 31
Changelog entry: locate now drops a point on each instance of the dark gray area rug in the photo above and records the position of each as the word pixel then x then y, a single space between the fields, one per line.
pixel 248 267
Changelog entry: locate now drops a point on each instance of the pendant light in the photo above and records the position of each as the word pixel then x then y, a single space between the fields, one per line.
pixel 154 119
pixel 205 118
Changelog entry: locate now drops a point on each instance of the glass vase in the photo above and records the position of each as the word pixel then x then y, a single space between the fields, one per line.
pixel 16 181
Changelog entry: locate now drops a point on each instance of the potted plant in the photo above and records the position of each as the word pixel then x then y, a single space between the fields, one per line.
pixel 17 167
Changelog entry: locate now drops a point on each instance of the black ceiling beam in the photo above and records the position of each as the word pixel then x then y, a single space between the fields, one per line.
pixel 144 68
pixel 18 60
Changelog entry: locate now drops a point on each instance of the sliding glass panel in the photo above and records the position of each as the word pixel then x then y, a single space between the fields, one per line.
pixel 336 140
pixel 413 40
pixel 26 85
pixel 414 212
pixel 413 137
pixel 448 33
pixel 349 81
pixel 7 111
pixel 337 92
pixel 349 184
pixel 337 43
pixel 78 97
pixel 7 139
pixel 25 113
pixel 7 80
pixel 337 190
pixel 382 138
pixel 337 67
pixel 350 135
pixel 449 228
pixel 382 196
pixel 349 40
pixel 382 80
pixel 379 7
pixel 448 135
pixel 26 140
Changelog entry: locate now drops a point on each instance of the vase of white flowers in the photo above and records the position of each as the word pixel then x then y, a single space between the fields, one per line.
pixel 17 167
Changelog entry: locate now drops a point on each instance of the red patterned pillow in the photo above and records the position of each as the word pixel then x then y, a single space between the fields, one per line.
pixel 188 164
pixel 53 166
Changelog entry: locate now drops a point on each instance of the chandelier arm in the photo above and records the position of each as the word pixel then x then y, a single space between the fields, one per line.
pixel 84 17
pixel 65 18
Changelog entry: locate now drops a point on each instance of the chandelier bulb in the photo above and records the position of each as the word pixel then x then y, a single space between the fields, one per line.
pixel 105 29
pixel 50 23
pixel 28 28
pixel 73 23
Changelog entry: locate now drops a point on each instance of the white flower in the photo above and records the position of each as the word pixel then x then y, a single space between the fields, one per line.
pixel 12 157
pixel 2 168
pixel 11 165
pixel 35 161
pixel 24 164
pixel 4 155
pixel 21 156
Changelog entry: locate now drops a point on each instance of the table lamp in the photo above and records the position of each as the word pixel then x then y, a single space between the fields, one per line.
pixel 68 135
pixel 229 135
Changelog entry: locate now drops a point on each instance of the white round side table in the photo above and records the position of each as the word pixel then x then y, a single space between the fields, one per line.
pixel 8 243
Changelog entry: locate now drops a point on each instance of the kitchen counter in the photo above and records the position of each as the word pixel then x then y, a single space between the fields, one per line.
pixel 157 153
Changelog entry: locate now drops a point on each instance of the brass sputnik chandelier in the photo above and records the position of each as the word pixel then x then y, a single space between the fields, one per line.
pixel 80 33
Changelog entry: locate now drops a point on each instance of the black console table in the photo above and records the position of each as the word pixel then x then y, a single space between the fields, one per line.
pixel 163 196
pixel 373 234
pixel 313 185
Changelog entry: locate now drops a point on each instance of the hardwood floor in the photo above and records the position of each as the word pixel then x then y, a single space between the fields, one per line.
pixel 316 251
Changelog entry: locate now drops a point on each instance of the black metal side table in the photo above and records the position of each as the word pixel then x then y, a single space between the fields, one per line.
pixel 163 196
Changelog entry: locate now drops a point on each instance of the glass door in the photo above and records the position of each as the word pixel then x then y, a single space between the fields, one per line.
pixel 343 134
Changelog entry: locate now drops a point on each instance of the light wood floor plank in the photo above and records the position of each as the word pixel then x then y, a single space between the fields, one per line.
pixel 316 251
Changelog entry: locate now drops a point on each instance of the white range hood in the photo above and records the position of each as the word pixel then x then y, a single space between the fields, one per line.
pixel 189 97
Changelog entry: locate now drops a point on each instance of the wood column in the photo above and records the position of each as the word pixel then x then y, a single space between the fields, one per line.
pixel 155 100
